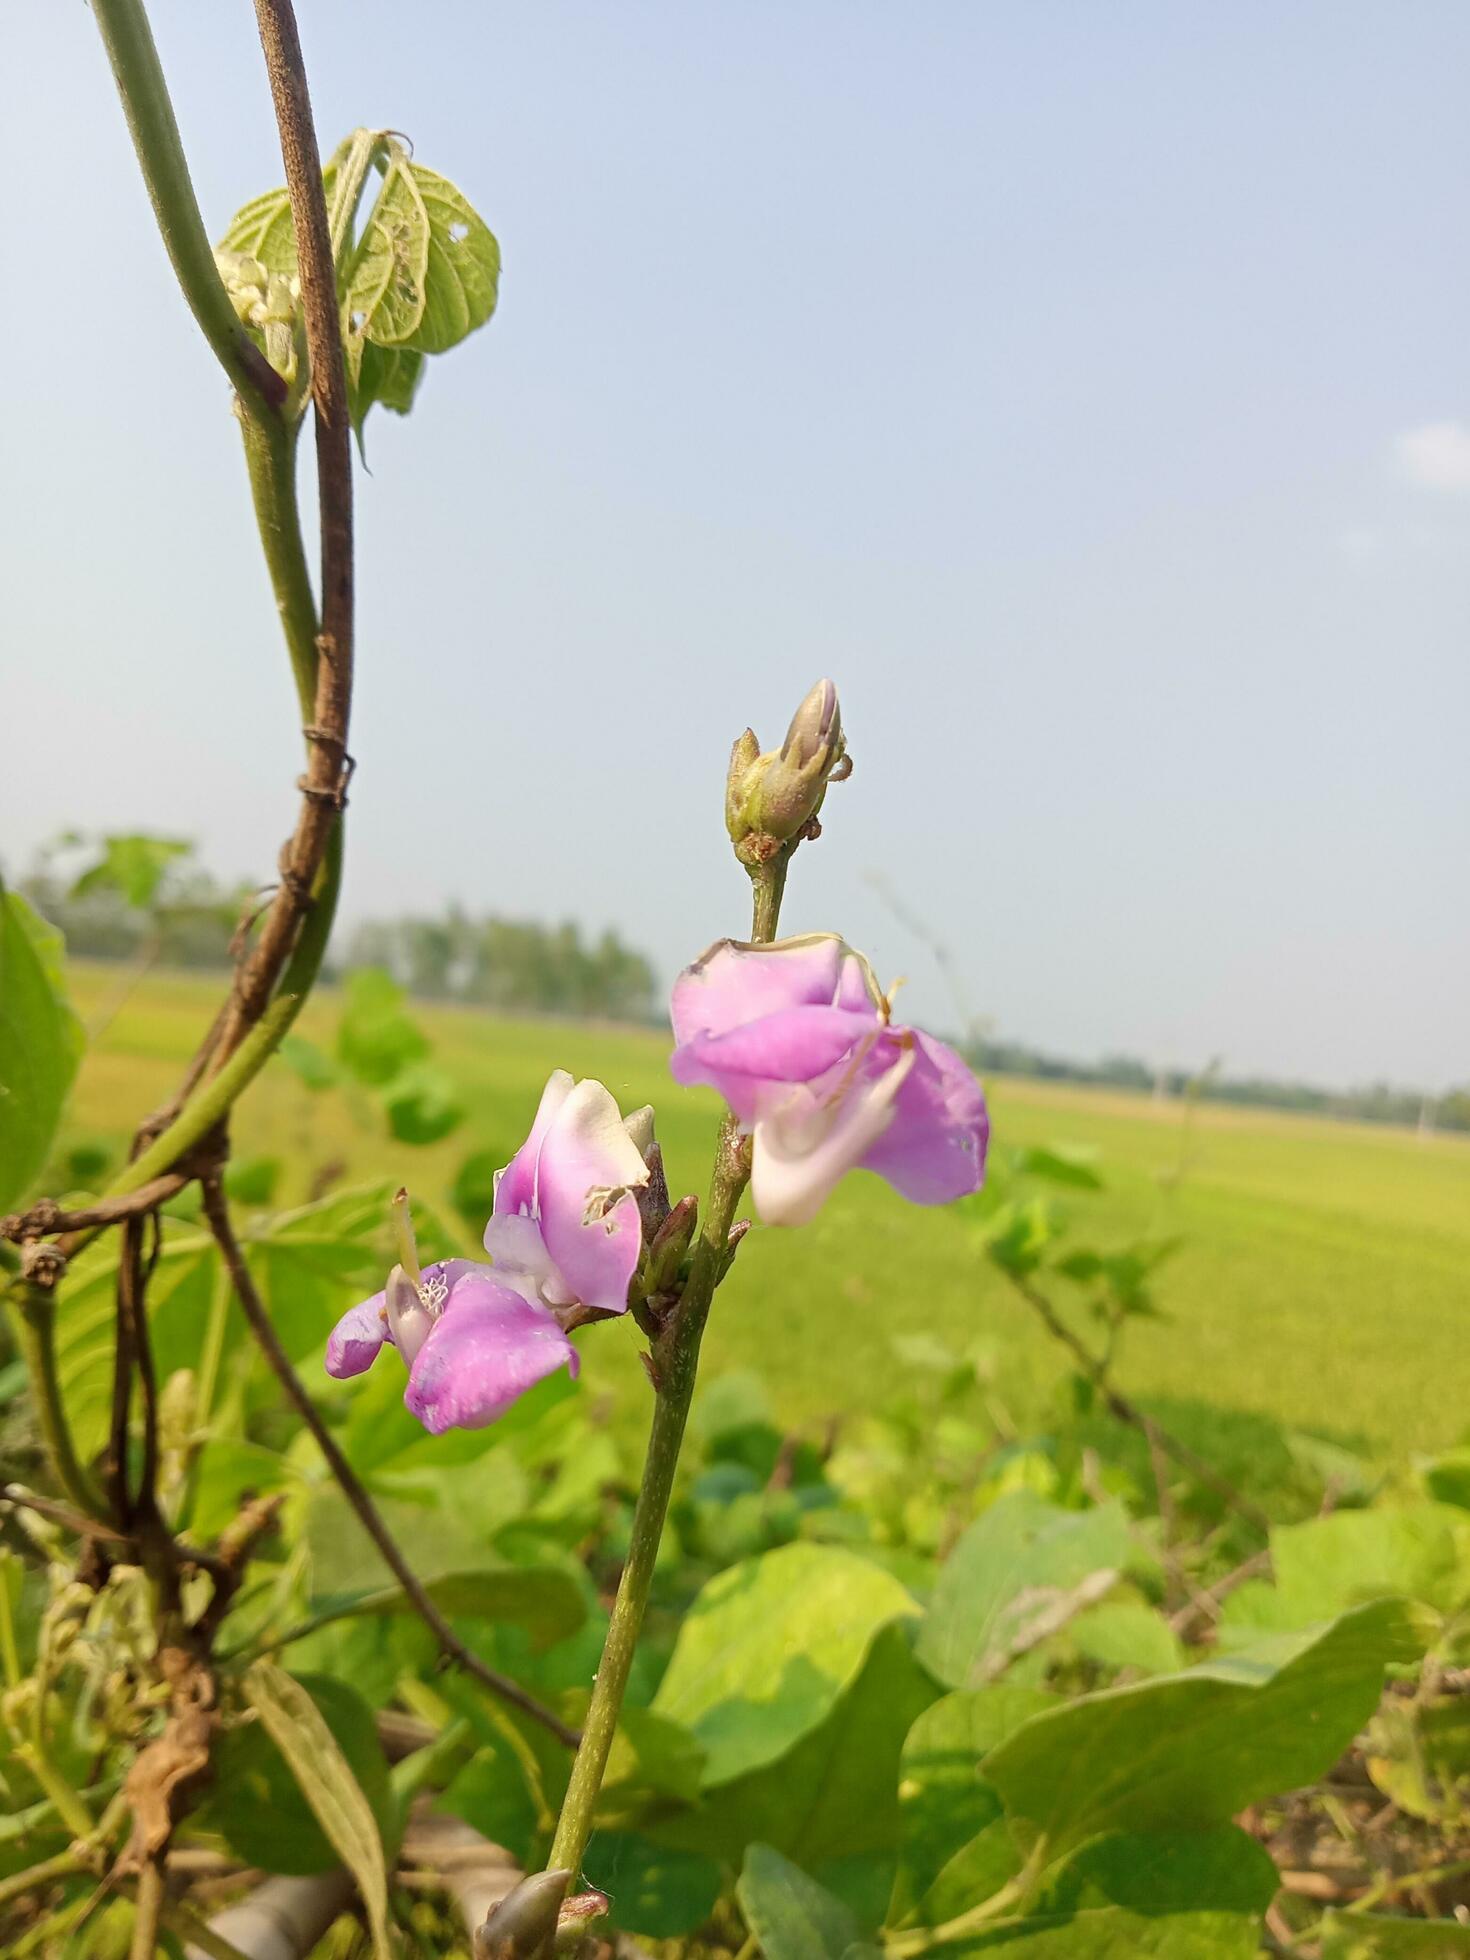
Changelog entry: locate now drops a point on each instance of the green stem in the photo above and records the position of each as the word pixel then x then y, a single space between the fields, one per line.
pixel 66 1864
pixel 35 1319
pixel 270 458
pixel 677 1361
pixel 139 76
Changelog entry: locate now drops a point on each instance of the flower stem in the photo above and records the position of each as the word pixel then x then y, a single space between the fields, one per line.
pixel 676 1357
pixel 676 1366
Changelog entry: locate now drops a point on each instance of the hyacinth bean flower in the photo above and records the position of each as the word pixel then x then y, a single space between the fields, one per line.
pixel 564 1241
pixel 798 1038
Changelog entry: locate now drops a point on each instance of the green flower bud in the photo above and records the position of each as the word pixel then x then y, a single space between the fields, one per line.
pixel 772 800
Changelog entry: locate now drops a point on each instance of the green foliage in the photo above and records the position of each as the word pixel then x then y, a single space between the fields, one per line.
pixel 791 1916
pixel 1193 1749
pixel 133 866
pixel 1373 1936
pixel 40 1043
pixel 767 1649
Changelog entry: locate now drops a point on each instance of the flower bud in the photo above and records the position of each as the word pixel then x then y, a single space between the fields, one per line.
pixel 524 1924
pixel 772 800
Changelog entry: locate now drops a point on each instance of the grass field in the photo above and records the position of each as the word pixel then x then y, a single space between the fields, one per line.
pixel 1325 1280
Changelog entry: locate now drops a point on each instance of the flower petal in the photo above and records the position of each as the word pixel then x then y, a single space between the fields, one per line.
pixel 591 1227
pixel 797 1044
pixel 734 983
pixel 515 1186
pixel 520 1261
pixel 805 1139
pixel 487 1348
pixel 352 1345
pixel 934 1149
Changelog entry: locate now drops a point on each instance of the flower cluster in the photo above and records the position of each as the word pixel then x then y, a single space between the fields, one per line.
pixel 800 1041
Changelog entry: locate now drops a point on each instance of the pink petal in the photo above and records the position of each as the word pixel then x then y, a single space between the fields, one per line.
pixel 590 1225
pixel 934 1149
pixel 488 1347
pixel 519 1260
pixel 806 1138
pixel 515 1188
pixel 352 1345
pixel 734 983
pixel 796 1044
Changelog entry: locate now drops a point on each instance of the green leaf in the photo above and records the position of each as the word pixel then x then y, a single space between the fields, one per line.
pixel 651 1758
pixel 791 1916
pixel 134 867
pixel 422 1107
pixel 385 296
pixel 449 1557
pixel 376 1038
pixel 1419 1551
pixel 1190 1750
pixel 1020 1561
pixel 253 1180
pixel 463 272
pixel 1058 1164
pixel 834 1795
pixel 262 229
pixel 955 1845
pixel 41 1043
pixel 390 375
pixel 294 1788
pixel 1127 1633
pixel 655 1891
pixel 768 1647
pixel 1377 1936
pixel 493 1793
pixel 1184 1895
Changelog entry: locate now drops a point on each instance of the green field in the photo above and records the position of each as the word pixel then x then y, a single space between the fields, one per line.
pixel 1325 1280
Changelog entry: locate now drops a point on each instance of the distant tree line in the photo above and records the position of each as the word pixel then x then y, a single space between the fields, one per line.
pixel 1378 1102
pixel 146 900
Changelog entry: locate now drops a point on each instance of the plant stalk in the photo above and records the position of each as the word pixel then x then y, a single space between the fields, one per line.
pixel 35 1319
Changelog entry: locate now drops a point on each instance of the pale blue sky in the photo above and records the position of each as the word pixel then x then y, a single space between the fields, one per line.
pixel 1055 376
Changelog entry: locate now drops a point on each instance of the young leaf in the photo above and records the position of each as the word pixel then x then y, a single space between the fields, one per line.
pixel 384 299
pixel 463 276
pixel 134 867
pixel 1187 1751
pixel 262 229
pixel 41 1043
pixel 768 1647
pixel 422 1107
pixel 295 1724
pixel 376 1038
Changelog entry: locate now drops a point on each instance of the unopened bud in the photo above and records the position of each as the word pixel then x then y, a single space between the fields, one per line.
pixel 577 1917
pixel 670 1244
pixel 524 1924
pixel 772 800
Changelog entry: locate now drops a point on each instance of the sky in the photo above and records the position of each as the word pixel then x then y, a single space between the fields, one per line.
pixel 1085 389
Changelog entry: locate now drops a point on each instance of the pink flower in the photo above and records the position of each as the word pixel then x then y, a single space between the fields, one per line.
pixel 798 1039
pixel 565 1238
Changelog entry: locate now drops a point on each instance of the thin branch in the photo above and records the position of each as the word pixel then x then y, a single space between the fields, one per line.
pixel 47 1217
pixel 217 1213
pixel 1157 1436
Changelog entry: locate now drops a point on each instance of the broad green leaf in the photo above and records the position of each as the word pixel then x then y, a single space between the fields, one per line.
pixel 946 1807
pixel 463 273
pixel 450 1558
pixel 791 1916
pixel 384 299
pixel 1127 1633
pixel 651 1758
pixel 1182 1895
pixel 261 1800
pixel 493 1793
pixel 390 375
pixel 1020 1561
pixel 1190 1750
pixel 833 1796
pixel 134 867
pixel 655 1891
pixel 377 1037
pixel 41 1043
pixel 1419 1551
pixel 768 1647
pixel 1378 1936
